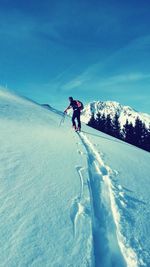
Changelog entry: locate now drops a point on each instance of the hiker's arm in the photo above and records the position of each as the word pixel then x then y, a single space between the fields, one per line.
pixel 65 111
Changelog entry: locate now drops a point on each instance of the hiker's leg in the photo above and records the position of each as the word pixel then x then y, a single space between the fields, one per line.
pixel 73 120
pixel 78 119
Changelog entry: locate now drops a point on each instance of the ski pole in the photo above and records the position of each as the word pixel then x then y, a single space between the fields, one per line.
pixel 62 120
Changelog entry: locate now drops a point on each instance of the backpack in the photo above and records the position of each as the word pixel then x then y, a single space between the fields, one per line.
pixel 80 105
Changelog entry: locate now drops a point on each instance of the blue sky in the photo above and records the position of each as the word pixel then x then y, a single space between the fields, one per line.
pixel 88 49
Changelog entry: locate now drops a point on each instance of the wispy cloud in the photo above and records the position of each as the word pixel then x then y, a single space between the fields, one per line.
pixel 109 83
pixel 127 65
pixel 16 26
pixel 124 78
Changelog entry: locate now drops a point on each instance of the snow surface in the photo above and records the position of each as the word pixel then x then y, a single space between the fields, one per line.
pixel 69 199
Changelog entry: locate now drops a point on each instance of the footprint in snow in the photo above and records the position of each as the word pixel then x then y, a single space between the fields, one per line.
pixel 115 172
pixel 75 210
pixel 120 187
pixel 80 152
pixel 121 194
pixel 103 170
pixel 95 145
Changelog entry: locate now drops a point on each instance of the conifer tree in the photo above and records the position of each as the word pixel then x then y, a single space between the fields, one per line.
pixel 146 139
pixel 138 132
pixel 103 123
pixel 116 131
pixel 108 125
pixel 98 121
pixel 128 132
pixel 92 121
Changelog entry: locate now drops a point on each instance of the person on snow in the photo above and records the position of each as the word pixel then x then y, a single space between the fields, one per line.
pixel 77 106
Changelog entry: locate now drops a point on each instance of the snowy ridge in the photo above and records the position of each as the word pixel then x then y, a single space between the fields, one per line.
pixel 112 107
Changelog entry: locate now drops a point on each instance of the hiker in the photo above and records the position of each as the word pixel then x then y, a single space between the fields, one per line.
pixel 77 106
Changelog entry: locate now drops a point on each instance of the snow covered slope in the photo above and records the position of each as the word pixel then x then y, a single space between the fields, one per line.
pixel 69 199
pixel 112 107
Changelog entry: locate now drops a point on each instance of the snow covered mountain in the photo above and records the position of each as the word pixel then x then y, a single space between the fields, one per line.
pixel 69 199
pixel 112 107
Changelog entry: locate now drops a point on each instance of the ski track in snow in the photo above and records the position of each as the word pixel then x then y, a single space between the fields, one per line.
pixel 110 247
pixel 77 208
pixel 80 214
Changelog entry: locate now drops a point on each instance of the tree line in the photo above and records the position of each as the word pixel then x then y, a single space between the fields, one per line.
pixel 138 134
